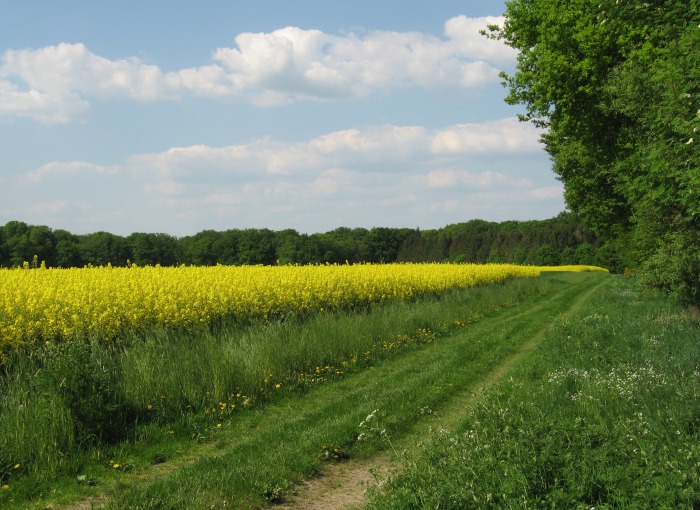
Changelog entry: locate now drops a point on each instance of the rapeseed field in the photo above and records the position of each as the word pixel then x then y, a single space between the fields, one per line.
pixel 49 305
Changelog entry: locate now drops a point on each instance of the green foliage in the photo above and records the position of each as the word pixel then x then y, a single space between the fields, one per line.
pixel 616 84
pixel 265 452
pixel 67 249
pixel 152 249
pixel 475 241
pixel 90 383
pixel 35 422
pixel 102 248
pixel 546 256
pixel 675 267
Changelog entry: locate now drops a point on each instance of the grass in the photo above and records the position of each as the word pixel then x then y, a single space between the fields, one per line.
pixel 604 415
pixel 293 438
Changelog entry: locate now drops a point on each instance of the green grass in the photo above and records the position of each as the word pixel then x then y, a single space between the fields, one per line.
pixel 604 415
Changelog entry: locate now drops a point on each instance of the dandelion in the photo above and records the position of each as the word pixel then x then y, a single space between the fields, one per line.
pixel 278 386
pixel 5 487
pixel 16 466
pixel 218 425
pixel 116 465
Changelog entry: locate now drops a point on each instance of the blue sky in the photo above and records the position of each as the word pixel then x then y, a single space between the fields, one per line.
pixel 178 117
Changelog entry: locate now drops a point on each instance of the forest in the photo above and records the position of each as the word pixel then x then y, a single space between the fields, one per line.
pixel 560 240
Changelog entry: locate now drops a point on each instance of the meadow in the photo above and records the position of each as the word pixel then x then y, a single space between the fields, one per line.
pixel 242 409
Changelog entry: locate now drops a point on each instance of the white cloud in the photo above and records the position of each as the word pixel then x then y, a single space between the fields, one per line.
pixel 548 192
pixel 51 108
pixel 381 149
pixel 382 176
pixel 452 179
pixel 54 207
pixel 464 33
pixel 375 143
pixel 56 83
pixel 57 170
pixel 506 135
pixel 73 68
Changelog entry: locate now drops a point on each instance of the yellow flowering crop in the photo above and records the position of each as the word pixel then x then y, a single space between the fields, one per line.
pixel 43 305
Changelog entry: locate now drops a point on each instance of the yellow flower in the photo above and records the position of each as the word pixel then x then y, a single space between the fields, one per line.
pixel 16 466
pixel 116 465
pixel 56 305
pixel 5 487
pixel 278 386
pixel 218 425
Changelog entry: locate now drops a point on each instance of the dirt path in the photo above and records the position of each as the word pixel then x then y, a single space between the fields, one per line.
pixel 344 486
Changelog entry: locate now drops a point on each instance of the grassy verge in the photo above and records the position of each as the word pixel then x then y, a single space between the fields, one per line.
pixel 604 415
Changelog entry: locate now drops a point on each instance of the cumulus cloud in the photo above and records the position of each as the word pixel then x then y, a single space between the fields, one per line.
pixel 384 175
pixel 461 31
pixel 452 179
pixel 386 149
pixel 54 207
pixel 57 170
pixel 56 83
pixel 507 135
pixel 48 107
pixel 73 68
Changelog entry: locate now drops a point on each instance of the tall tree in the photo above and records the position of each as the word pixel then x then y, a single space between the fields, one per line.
pixel 67 249
pixel 616 84
pixel 102 248
pixel 152 249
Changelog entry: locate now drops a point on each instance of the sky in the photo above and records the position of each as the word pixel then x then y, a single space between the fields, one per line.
pixel 177 116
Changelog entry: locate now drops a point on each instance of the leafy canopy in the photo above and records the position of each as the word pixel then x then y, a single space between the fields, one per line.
pixel 616 84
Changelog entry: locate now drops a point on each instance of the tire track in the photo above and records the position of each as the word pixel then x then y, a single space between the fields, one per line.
pixel 344 486
pixel 518 331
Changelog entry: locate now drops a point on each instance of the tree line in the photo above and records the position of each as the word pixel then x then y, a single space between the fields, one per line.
pixel 560 240
pixel 616 85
